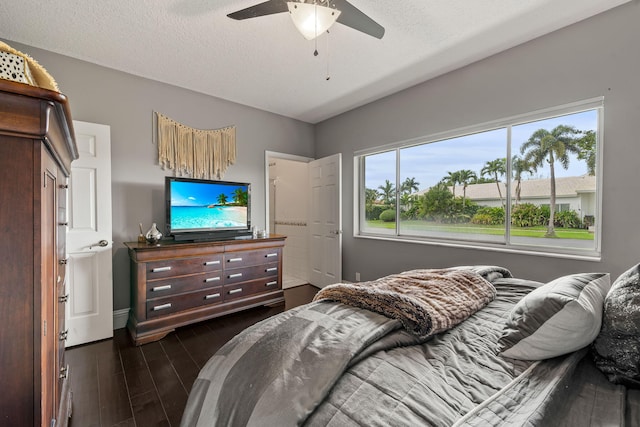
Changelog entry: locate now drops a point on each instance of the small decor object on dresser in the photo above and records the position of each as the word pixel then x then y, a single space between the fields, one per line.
pixel 154 235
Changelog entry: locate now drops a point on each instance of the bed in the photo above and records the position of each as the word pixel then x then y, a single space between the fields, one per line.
pixel 463 346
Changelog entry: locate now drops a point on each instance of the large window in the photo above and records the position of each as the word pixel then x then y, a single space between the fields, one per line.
pixel 492 185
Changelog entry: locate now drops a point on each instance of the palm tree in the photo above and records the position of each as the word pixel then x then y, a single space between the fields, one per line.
pixel 496 168
pixel 371 195
pixel 452 179
pixel 587 145
pixel 466 177
pixel 519 167
pixel 410 185
pixel 544 146
pixel 240 197
pixel 222 199
pixel 388 192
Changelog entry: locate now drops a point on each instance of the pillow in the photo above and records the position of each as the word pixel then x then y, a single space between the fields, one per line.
pixel 616 350
pixel 559 317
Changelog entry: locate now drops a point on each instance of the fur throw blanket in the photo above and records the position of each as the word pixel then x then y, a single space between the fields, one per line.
pixel 426 302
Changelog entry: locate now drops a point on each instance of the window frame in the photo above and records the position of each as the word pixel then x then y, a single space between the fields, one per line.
pixel 506 246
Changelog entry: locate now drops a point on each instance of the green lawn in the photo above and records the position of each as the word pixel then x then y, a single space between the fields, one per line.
pixel 418 225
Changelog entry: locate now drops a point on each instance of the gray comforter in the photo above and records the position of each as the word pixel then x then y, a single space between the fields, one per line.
pixel 329 364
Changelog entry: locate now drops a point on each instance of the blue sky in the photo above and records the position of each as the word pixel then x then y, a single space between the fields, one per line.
pixel 429 163
pixel 200 194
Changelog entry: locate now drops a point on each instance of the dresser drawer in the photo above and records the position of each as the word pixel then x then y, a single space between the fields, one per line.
pixel 181 266
pixel 171 304
pixel 181 284
pixel 237 275
pixel 240 290
pixel 259 256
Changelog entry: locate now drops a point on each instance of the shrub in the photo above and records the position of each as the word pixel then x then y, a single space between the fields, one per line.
pixel 589 220
pixel 567 219
pixel 373 212
pixel 489 216
pixel 388 216
pixel 527 215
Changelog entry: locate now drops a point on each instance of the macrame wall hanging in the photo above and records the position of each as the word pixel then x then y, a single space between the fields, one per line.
pixel 204 154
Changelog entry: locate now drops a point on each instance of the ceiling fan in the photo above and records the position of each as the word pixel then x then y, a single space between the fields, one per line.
pixel 348 14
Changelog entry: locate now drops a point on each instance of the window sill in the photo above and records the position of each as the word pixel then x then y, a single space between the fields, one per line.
pixel 522 250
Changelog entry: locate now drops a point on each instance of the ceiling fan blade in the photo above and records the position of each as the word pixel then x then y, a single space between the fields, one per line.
pixel 267 8
pixel 352 17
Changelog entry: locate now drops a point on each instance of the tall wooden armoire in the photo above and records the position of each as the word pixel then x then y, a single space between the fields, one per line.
pixel 37 146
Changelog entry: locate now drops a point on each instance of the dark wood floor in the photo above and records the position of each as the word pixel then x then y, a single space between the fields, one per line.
pixel 115 383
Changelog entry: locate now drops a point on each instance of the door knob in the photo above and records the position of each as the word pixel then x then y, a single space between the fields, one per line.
pixel 102 243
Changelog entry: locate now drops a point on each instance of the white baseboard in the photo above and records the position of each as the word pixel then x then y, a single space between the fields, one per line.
pixel 120 318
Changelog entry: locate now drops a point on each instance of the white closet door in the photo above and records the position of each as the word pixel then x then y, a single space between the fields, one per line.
pixel 89 237
pixel 325 220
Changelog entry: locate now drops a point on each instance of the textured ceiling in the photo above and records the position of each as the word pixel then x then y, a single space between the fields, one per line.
pixel 265 63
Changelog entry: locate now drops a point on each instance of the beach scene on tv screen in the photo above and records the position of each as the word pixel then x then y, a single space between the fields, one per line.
pixel 205 206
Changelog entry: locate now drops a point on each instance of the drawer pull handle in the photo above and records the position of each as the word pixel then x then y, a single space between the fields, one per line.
pixel 64 371
pixel 162 307
pixel 268 270
pixel 212 279
pixel 235 291
pixel 161 288
pixel 63 224
pixel 212 296
pixel 235 259
pixel 271 255
pixel 212 262
pixel 63 261
pixel 63 335
pixel 160 269
pixel 271 283
pixel 236 275
pixel 63 298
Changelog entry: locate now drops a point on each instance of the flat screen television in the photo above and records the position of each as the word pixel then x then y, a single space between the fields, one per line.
pixel 198 209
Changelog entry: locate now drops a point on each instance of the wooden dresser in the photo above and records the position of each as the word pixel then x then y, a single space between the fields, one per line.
pixel 36 149
pixel 175 283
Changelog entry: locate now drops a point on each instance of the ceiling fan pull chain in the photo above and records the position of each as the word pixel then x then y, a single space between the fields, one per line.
pixel 328 55
pixel 315 17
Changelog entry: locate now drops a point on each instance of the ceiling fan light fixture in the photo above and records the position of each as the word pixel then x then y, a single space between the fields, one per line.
pixel 312 19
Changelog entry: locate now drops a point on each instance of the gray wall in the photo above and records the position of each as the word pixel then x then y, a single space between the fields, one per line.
pixel 126 103
pixel 597 57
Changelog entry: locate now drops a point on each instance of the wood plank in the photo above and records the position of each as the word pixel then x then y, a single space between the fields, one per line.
pixel 171 391
pixel 86 396
pixel 114 399
pixel 181 360
pixel 147 410
pixel 136 371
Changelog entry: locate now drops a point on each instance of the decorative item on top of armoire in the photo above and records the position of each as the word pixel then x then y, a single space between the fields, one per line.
pixel 194 152
pixel 21 68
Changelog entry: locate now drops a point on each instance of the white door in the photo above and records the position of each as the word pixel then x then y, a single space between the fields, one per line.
pixel 325 220
pixel 89 244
